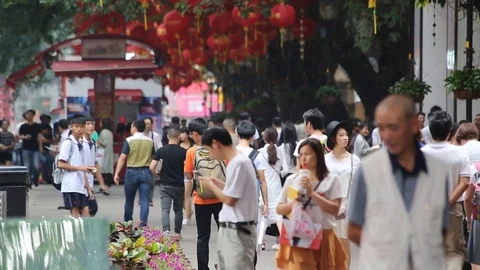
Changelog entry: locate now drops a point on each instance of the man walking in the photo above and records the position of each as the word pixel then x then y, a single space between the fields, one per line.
pixel 172 187
pixel 157 143
pixel 138 149
pixel 29 134
pixel 456 161
pixel 239 195
pixel 394 230
pixel 314 123
pixel 204 208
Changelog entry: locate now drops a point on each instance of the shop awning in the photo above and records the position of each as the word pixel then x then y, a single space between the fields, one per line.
pixel 125 69
pixel 121 95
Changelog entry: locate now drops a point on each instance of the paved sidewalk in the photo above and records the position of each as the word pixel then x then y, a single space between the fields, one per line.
pixel 44 200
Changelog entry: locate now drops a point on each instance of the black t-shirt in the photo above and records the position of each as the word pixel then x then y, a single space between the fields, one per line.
pixel 32 130
pixel 173 158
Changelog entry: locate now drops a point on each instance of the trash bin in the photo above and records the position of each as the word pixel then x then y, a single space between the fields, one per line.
pixel 13 192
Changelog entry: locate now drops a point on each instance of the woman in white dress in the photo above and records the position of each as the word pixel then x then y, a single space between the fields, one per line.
pixel 343 164
pixel 274 159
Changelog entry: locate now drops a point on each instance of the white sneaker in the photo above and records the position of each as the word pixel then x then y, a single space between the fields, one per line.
pixel 276 247
pixel 167 232
pixel 185 221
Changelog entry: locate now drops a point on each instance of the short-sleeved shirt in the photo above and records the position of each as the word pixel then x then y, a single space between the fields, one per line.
pixel 330 188
pixel 33 130
pixel 406 183
pixel 242 185
pixel 72 181
pixel 189 168
pixel 138 148
pixel 173 158
pixel 455 159
pixel 7 138
pixel 258 161
pixel 89 157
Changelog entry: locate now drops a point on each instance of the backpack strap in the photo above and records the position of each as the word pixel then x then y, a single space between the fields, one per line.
pixel 253 155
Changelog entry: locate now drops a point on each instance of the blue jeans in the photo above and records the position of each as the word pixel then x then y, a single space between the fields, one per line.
pixel 169 194
pixel 137 179
pixel 31 161
pixel 47 160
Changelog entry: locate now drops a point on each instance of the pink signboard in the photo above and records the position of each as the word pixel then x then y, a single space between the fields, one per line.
pixel 190 101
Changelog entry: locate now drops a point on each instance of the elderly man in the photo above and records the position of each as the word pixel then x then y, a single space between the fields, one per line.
pixel 398 206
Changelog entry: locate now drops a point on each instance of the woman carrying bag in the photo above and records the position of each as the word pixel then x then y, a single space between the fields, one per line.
pixel 343 164
pixel 311 197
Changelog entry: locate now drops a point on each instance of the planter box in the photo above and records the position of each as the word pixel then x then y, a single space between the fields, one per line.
pixel 466 94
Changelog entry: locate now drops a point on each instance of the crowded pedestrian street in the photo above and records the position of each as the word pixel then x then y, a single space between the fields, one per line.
pixel 239 135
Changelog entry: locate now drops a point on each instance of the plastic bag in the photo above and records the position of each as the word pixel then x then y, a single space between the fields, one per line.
pixel 260 232
pixel 302 224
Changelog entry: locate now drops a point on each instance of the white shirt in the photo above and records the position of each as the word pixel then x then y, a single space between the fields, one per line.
pixel 64 136
pixel 342 169
pixel 241 183
pixel 322 139
pixel 72 181
pixel 89 158
pixel 472 148
pixel 258 161
pixel 455 159
pixel 376 140
pixel 427 136
pixel 157 139
pixel 330 187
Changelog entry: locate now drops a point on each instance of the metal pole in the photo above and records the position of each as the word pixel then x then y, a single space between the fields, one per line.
pixel 469 51
pixel 455 49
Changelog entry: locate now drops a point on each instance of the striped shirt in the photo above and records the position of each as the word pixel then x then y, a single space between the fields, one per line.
pixel 138 148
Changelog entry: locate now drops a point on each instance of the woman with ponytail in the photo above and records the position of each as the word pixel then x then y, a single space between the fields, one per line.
pixel 275 162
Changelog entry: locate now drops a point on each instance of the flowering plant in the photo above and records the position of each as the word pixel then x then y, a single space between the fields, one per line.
pixel 145 248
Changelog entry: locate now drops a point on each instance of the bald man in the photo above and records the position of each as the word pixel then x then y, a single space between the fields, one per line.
pixel 398 205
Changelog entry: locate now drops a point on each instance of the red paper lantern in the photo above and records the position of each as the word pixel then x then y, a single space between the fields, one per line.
pixel 136 30
pixel 238 55
pixel 282 15
pixel 221 23
pixel 175 22
pixel 164 35
pixel 218 42
pixel 250 20
pixel 309 27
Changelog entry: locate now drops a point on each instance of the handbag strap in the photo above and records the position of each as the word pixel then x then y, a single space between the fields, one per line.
pixel 310 198
pixel 351 176
pixel 271 164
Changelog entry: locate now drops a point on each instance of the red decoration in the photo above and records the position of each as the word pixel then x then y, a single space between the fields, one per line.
pixel 136 30
pixel 282 15
pixel 164 35
pixel 114 23
pixel 247 22
pixel 221 23
pixel 309 27
pixel 218 42
pixel 175 22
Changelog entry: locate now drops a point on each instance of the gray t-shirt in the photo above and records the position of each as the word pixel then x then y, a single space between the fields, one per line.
pixel 241 184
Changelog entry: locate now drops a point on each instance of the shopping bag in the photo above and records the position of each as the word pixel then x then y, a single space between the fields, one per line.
pixel 261 224
pixel 300 230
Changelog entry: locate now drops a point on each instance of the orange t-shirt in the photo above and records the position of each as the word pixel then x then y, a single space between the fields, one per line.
pixel 188 168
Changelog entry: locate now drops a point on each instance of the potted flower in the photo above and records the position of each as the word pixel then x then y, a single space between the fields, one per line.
pixel 414 88
pixel 465 84
pixel 328 94
pixel 146 248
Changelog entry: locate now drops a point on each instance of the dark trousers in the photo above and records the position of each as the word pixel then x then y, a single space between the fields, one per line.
pixel 203 216
pixel 169 195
